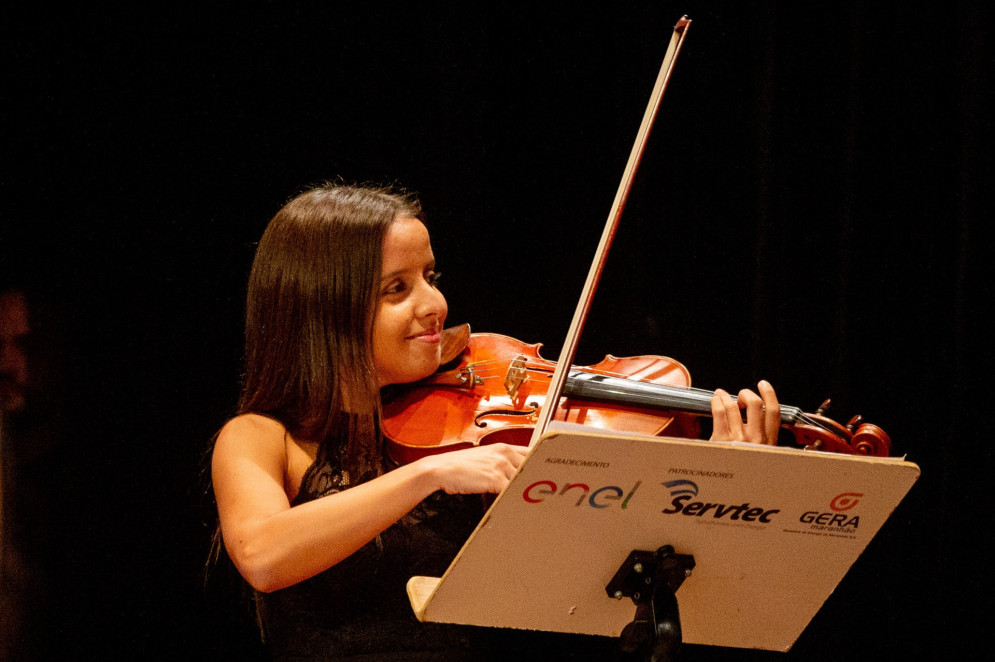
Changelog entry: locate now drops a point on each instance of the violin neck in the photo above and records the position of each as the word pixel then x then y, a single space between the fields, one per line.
pixel 618 390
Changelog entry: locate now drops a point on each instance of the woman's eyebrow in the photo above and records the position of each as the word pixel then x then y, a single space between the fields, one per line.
pixel 397 272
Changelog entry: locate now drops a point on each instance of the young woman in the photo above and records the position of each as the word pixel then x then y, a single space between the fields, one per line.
pixel 343 301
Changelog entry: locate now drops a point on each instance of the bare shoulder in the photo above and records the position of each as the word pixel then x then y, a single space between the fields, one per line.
pixel 248 467
pixel 250 435
pixel 254 425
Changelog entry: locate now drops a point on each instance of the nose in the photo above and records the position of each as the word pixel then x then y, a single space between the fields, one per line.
pixel 431 303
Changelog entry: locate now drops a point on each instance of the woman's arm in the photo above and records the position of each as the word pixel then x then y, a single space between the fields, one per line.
pixel 274 545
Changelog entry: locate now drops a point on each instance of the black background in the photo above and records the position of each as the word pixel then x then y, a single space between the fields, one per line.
pixel 813 209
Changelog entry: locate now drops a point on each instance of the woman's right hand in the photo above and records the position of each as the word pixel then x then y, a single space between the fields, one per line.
pixel 477 470
pixel 275 545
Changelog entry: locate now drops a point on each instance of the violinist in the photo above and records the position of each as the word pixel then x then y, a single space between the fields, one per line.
pixel 342 301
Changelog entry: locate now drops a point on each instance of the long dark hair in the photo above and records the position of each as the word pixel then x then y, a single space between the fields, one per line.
pixel 309 320
pixel 308 336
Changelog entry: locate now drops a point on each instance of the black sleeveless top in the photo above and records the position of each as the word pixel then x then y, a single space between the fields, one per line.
pixel 358 609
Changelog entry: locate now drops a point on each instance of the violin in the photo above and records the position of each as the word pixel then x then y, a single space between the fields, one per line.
pixel 491 389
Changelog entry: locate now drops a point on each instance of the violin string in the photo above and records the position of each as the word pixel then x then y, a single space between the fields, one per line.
pixel 816 423
pixel 496 364
pixel 482 367
pixel 643 380
pixel 805 418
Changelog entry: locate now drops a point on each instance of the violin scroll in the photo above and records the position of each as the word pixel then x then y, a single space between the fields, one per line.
pixel 869 439
pixel 819 433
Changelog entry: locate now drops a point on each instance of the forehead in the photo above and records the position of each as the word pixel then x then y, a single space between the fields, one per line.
pixel 407 245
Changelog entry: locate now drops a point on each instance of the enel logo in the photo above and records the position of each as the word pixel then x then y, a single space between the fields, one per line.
pixel 602 497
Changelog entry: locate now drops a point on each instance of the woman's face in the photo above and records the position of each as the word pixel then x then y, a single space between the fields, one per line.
pixel 410 310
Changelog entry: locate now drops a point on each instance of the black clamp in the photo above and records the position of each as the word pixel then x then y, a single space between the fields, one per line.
pixel 651 579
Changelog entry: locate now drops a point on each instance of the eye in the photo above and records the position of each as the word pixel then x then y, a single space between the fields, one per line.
pixel 394 287
pixel 432 278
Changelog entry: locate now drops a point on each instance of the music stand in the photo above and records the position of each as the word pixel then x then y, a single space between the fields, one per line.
pixel 768 531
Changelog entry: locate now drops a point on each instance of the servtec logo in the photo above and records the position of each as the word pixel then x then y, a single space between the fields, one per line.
pixel 684 503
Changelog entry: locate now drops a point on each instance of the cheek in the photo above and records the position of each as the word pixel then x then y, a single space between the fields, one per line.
pixel 389 330
pixel 384 328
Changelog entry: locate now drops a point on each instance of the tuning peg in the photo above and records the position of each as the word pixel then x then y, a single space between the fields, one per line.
pixel 854 422
pixel 823 407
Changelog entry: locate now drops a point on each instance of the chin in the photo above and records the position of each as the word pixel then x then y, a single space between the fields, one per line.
pixel 413 372
pixel 426 370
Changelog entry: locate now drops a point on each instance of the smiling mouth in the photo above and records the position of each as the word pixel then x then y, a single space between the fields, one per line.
pixel 432 335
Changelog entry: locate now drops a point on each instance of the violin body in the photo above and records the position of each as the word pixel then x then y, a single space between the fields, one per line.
pixel 492 388
pixel 493 392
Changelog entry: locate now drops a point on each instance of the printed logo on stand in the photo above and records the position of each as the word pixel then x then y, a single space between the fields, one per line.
pixel 683 491
pixel 681 487
pixel 597 497
pixel 845 501
pixel 837 519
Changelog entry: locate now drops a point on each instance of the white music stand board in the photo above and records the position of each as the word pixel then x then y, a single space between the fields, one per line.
pixel 772 531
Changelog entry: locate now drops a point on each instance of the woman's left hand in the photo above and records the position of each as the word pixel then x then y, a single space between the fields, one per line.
pixel 763 416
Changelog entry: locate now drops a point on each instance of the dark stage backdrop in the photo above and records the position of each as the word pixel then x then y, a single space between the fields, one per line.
pixel 813 209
